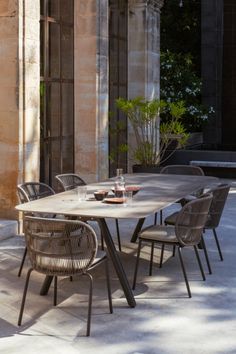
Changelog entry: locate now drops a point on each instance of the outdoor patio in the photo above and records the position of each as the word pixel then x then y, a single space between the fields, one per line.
pixel 165 320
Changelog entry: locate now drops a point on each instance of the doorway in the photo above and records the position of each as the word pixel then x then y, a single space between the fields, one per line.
pixel 56 89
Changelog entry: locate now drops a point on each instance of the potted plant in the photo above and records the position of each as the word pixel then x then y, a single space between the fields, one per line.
pixel 155 141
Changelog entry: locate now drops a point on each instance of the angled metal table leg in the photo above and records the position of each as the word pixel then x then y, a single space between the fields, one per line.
pixel 117 263
pixel 46 285
pixel 137 230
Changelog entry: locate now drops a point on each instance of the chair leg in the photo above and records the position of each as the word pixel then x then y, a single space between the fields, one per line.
pixel 118 234
pixel 102 242
pixel 55 292
pixel 218 244
pixel 151 259
pixel 108 286
pixel 184 272
pixel 173 253
pixel 199 263
pixel 24 296
pixel 155 218
pixel 137 264
pixel 22 262
pixel 206 255
pixel 162 254
pixel 90 303
pixel 161 217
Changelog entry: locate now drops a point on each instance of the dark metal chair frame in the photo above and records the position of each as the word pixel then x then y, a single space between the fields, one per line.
pixel 28 192
pixel 186 232
pixel 181 170
pixel 220 194
pixel 63 248
pixel 68 181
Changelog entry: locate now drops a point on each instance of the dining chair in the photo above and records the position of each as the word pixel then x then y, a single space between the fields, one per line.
pixel 186 232
pixel 63 248
pixel 219 197
pixel 68 181
pixel 28 192
pixel 183 170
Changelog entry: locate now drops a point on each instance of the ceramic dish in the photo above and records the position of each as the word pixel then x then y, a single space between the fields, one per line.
pixel 114 200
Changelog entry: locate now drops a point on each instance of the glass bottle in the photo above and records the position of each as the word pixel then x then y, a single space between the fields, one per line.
pixel 119 187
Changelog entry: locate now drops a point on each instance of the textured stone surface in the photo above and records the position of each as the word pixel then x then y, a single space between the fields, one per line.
pixel 19 98
pixel 8 228
pixel 91 89
pixel 144 53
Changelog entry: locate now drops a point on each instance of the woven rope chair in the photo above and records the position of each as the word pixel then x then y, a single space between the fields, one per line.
pixel 182 170
pixel 70 181
pixel 63 248
pixel 186 232
pixel 220 194
pixel 28 192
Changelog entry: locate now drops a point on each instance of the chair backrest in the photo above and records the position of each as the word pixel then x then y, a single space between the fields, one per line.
pixel 60 247
pixel 30 191
pixel 191 220
pixel 69 181
pixel 220 194
pixel 182 170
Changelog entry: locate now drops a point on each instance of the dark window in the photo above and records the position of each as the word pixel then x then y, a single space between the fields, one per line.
pixel 117 82
pixel 56 88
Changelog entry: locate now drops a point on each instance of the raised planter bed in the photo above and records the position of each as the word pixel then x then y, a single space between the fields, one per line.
pixel 213 162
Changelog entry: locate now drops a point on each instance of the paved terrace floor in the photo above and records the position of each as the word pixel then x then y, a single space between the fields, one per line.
pixel 164 321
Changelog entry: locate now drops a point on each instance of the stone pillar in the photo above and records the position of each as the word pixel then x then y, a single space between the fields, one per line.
pixel 212 13
pixel 144 48
pixel 143 53
pixel 91 89
pixel 19 98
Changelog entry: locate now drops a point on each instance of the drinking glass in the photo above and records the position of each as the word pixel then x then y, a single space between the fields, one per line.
pixel 81 193
pixel 128 198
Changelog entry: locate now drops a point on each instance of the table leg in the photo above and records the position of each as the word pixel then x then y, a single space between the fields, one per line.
pixel 117 263
pixel 137 230
pixel 46 285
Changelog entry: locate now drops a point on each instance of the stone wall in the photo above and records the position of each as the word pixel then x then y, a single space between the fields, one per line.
pixel 19 98
pixel 143 53
pixel 91 89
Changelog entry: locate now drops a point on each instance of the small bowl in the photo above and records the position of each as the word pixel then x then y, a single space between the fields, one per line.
pixel 100 195
pixel 133 189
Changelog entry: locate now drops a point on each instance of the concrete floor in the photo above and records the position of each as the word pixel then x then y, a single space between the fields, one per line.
pixel 164 321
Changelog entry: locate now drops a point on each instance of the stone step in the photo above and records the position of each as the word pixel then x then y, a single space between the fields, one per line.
pixel 8 228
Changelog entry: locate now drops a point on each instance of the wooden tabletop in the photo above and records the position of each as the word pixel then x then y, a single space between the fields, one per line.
pixel 156 192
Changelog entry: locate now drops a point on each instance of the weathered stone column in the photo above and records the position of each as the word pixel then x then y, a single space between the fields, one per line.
pixel 19 98
pixel 143 53
pixel 144 48
pixel 91 89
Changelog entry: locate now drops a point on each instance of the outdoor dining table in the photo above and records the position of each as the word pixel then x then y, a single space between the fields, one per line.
pixel 157 191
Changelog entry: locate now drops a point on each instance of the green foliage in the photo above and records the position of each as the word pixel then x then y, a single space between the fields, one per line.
pixel 179 82
pixel 121 148
pixel 181 61
pixel 181 29
pixel 144 117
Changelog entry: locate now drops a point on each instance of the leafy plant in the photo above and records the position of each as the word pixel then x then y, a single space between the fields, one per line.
pixel 144 117
pixel 179 81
